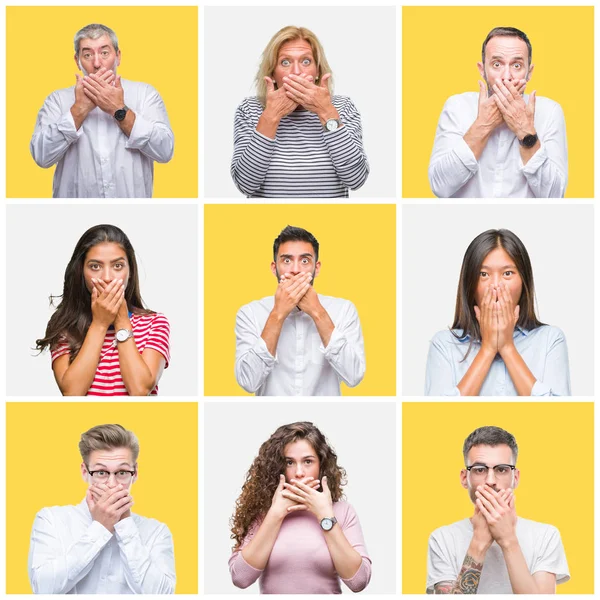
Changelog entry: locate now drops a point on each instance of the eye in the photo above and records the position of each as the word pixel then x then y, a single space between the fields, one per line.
pixel 495 64
pixel 119 266
pixel 105 53
pixel 517 65
pixel 285 62
pixel 508 273
pixel 483 274
pixel 95 267
pixel 286 260
pixel 502 470
pixel 479 470
pixel 86 55
pixel 122 473
pixel 308 461
pixel 305 261
pixel 289 463
pixel 101 473
pixel 306 62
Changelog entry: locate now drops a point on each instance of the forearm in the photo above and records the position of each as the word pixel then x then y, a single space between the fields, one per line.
pixel 126 125
pixel 79 115
pixel 472 381
pixel 267 124
pixel 469 577
pixel 477 137
pixel 324 325
pixel 272 330
pixel 258 551
pixel 78 378
pixel 522 378
pixel 346 559
pixel 137 376
pixel 521 580
pixel 527 153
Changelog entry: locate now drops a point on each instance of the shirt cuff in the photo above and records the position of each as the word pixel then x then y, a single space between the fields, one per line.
pixel 66 125
pixel 541 389
pixel 263 140
pixel 140 133
pixel 125 529
pixel 336 343
pixel 466 156
pixel 535 162
pixel 361 578
pixel 261 350
pixel 97 531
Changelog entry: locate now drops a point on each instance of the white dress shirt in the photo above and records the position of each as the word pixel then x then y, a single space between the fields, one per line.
pixel 72 554
pixel 543 349
pixel 98 160
pixel 454 172
pixel 302 366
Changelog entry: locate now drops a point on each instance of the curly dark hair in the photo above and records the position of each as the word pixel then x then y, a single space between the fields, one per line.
pixel 262 478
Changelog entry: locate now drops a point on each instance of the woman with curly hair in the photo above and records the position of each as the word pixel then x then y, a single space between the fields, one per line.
pixel 292 529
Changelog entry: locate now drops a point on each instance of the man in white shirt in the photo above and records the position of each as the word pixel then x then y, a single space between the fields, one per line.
pixel 494 552
pixel 500 143
pixel 104 133
pixel 298 343
pixel 100 546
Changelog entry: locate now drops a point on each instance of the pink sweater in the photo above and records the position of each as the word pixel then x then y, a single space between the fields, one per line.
pixel 300 562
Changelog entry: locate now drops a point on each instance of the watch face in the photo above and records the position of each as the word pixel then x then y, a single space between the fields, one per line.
pixel 529 141
pixel 326 524
pixel 120 114
pixel 122 335
pixel 332 125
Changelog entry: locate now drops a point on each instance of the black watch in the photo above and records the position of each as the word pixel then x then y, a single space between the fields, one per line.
pixel 529 141
pixel 120 114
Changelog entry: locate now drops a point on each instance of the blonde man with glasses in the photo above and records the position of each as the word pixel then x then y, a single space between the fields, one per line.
pixel 100 546
pixel 494 552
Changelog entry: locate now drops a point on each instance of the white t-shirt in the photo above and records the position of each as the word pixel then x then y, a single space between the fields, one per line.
pixel 540 543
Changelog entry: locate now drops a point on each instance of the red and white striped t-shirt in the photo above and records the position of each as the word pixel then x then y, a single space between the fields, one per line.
pixel 149 331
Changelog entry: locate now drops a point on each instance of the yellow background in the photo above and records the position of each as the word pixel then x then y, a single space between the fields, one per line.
pixel 159 46
pixel 358 255
pixel 441 46
pixel 43 469
pixel 556 460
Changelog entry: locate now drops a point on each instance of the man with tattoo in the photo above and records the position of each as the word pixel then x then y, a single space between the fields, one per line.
pixel 494 552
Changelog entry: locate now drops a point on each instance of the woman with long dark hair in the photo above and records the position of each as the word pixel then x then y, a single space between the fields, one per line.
pixel 497 346
pixel 292 530
pixel 103 341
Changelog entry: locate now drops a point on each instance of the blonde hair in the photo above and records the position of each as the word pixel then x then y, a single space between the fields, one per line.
pixel 105 437
pixel 269 57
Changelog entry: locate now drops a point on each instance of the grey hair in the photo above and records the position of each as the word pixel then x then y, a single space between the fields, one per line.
pixel 95 31
pixel 490 436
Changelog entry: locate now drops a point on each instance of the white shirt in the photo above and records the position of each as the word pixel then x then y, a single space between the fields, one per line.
pixel 454 172
pixel 540 543
pixel 72 554
pixel 302 365
pixel 98 160
pixel 543 349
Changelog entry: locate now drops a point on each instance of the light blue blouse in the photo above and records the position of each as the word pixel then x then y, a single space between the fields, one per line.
pixel 543 349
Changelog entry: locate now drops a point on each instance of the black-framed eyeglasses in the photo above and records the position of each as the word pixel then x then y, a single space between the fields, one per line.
pixel 102 475
pixel 481 471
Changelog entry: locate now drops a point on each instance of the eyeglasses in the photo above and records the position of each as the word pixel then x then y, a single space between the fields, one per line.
pixel 481 471
pixel 102 476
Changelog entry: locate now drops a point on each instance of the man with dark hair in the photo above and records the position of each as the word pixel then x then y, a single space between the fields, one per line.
pixel 298 342
pixel 104 133
pixel 500 143
pixel 100 546
pixel 494 552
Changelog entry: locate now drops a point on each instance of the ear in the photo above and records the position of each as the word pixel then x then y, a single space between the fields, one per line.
pixel 517 478
pixel 463 479
pixel 84 472
pixel 118 58
pixel 317 267
pixel 274 269
pixel 76 58
pixel 481 70
pixel 530 72
pixel 136 474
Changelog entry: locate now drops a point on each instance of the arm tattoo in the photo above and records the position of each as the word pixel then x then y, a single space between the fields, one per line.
pixel 467 582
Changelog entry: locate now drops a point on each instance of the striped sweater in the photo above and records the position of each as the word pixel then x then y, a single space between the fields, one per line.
pixel 303 160
pixel 149 331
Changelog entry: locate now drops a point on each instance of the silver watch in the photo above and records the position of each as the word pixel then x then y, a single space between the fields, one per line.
pixel 123 335
pixel 332 124
pixel 328 523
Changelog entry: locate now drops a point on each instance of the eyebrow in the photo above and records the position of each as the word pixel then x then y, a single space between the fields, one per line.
pixel 95 260
pixel 500 56
pixel 305 255
pixel 101 48
pixel 504 267
pixel 123 464
pixel 304 457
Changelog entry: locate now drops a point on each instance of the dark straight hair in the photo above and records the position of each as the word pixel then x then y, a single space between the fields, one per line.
pixel 507 32
pixel 73 316
pixel 465 321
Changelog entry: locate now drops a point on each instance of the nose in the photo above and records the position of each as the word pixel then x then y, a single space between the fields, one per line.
pixel 296 68
pixel 506 74
pixel 111 482
pixel 491 478
pixel 106 275
pixel 96 61
pixel 299 472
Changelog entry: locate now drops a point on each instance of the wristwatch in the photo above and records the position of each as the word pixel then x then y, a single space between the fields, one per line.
pixel 328 523
pixel 529 141
pixel 123 335
pixel 332 124
pixel 120 114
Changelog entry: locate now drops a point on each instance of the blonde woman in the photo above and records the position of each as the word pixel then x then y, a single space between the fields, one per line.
pixel 295 138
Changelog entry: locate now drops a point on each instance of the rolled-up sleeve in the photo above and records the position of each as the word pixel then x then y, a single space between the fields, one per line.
pixel 345 350
pixel 345 147
pixel 439 373
pixel 452 162
pixel 354 534
pixel 555 380
pixel 151 133
pixel 253 361
pixel 547 170
pixel 54 132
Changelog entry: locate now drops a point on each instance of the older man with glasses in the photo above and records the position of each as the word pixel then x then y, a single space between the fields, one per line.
pixel 100 546
pixel 494 552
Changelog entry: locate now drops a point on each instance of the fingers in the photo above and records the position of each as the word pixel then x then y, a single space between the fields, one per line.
pixel 325 486
pixel 118 82
pixel 483 95
pixel 281 482
pixel 89 499
pixel 123 502
pixel 502 90
pixel 477 313
pixel 297 82
pixel 94 294
pixel 302 488
pixel 291 496
pixel 531 105
pixel 297 507
pixel 270 84
pixel 324 80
